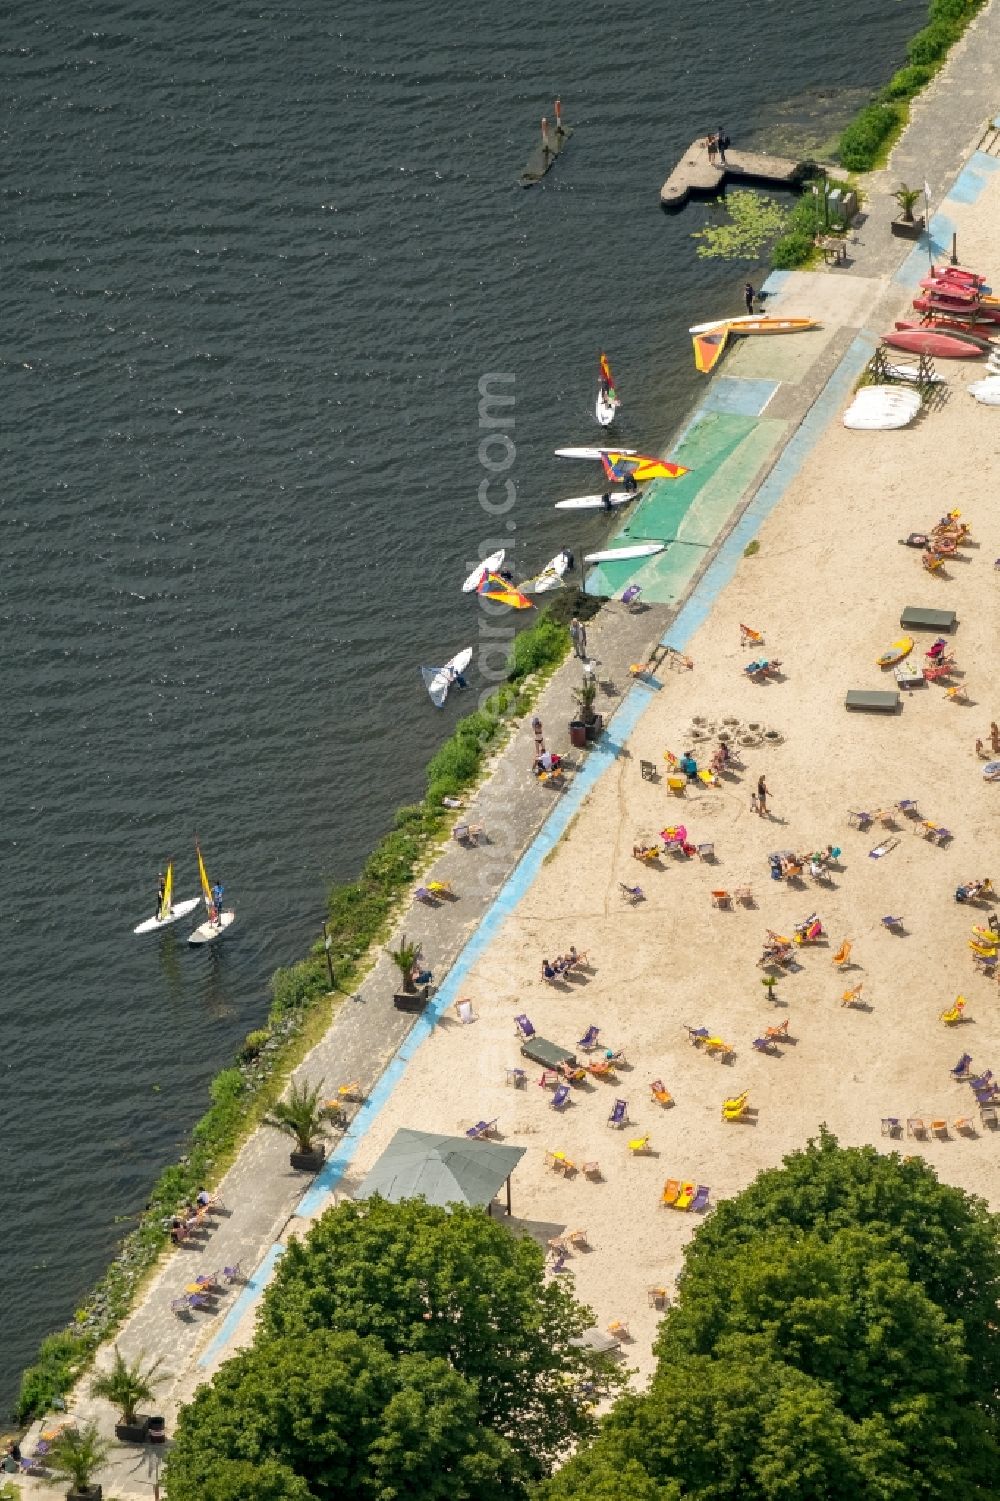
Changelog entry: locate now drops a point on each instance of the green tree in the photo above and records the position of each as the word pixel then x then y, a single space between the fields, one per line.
pixel 266 1480
pixel 338 1417
pixel 455 1284
pixel 77 1454
pixel 126 1385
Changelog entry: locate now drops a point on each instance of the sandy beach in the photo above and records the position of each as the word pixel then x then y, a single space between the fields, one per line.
pixel 827 588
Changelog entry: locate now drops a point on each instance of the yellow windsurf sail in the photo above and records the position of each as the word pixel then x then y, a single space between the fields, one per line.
pixel 168 893
pixel 206 889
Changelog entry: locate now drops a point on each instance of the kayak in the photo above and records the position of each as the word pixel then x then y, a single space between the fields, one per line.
pixel 926 341
pixel 971 331
pixel 755 323
pixel 961 291
pixel 951 308
pixel 958 273
pixel 897 651
pixel 599 502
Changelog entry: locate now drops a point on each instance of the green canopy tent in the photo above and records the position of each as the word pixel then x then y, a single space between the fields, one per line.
pixel 441 1169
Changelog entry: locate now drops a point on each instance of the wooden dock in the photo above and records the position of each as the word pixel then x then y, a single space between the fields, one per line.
pixel 696 177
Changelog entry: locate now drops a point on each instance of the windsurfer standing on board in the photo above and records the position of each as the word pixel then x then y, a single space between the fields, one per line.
pixel 161 891
pixel 217 893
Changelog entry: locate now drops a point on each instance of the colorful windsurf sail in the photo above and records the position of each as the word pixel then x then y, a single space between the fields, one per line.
pixel 495 587
pixel 607 379
pixel 708 348
pixel 641 466
pixel 168 894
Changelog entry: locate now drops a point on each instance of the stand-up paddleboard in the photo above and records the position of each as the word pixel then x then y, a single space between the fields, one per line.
pixel 168 911
pixel 897 651
pixel 756 323
pixel 607 397
pixel 624 554
pixel 216 923
pixel 551 576
pixel 605 408
pixel 592 453
pixel 488 565
pixel 437 680
pixel 986 391
pixel 596 502
pixel 912 372
pixel 883 407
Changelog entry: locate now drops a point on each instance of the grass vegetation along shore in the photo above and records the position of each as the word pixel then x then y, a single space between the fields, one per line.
pixel 359 915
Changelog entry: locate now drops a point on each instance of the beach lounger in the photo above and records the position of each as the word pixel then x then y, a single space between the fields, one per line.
pixel 179 1306
pixel 656 1297
pixel 915 1126
pixel 744 895
pixel 954 1013
pixel 988 1115
pixel 733 1110
pixel 686 1196
pixel 879 700
pixel 908 807
pixel 859 819
pixel 721 899
pixel 661 1094
pixel 549 1076
pixel 600 1068
pixel 648 771
pixel 852 996
pixel 671 1189
pixel 619 1113
pixel 523 1026
pixel 572 1073
pixel 630 598
pixel 677 785
pixel 560 1098
pixel 962 1067
pixel 751 638
pixel 482 1129
pixel 717 1048
pixel 843 955
pixel 705 851
pixel 588 1041
pixel 891 1125
pixel 618 1329
pixel 963 1124
pixel 700 1201
pixel 559 1262
pixel 888 921
pixel 764 1045
pixel 779 1033
pixel 465 1013
pixel 591 1170
pixel 576 1238
pixel 234 1273
pixel 350 1091
pixel 638 1145
pixel 885 848
pixel 632 894
pixel 696 1035
pixel 938 1128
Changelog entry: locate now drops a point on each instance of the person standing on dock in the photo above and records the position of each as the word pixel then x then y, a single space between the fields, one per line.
pixel 748 295
pixel 710 148
pixel 721 141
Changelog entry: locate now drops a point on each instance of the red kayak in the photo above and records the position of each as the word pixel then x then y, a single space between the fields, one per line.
pixel 926 341
pixel 959 291
pixel 986 312
pixel 956 273
pixel 969 331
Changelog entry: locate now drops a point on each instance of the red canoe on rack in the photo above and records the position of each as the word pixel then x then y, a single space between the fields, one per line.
pixel 986 312
pixel 939 346
pixel 978 333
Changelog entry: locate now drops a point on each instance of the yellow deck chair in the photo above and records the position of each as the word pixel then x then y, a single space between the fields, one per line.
pixel 350 1091
pixel 685 1196
pixel 854 994
pixel 576 1237
pixel 717 1047
pixel 955 1013
pixel 638 1145
pixel 660 1093
pixel 677 784
pixel 842 957
pixel 709 778
pixel 671 1189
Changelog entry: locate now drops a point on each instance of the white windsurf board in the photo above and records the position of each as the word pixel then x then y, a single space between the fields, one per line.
pixel 593 453
pixel 437 680
pixel 596 502
pixel 178 910
pixel 208 932
pixel 623 554
pixel 488 565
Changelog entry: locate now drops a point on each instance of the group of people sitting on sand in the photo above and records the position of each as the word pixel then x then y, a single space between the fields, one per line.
pixel 787 866
pixel 563 965
pixel 191 1216
pixel 973 891
pixel 777 950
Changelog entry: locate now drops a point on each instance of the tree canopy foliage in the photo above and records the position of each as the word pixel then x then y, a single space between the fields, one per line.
pixel 834 1337
pixel 455 1284
pixel 336 1416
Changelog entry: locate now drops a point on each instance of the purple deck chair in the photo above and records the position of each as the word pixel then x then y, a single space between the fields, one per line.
pixel 961 1068
pixel 619 1113
pixel 700 1201
pixel 481 1129
pixel 560 1098
pixel 523 1026
pixel 588 1041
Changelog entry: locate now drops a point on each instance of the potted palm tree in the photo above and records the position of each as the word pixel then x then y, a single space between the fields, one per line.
pixel 907 227
pixel 126 1386
pixel 76 1455
pixel 301 1116
pixel 405 958
pixel 586 697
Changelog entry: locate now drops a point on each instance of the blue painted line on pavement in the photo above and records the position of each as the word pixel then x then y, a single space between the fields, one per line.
pixel 918 263
pixel 972 179
pixel 255 1285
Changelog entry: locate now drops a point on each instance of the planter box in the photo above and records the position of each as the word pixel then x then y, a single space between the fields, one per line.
pixel 416 1000
pixel 133 1433
pixel 92 1493
pixel 308 1162
pixel 594 727
pixel 905 229
pixel 156 1432
pixel 577 734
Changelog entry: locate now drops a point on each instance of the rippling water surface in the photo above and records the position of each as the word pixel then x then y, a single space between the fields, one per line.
pixel 255 261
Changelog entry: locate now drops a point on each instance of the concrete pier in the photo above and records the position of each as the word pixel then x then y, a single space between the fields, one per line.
pixel 696 177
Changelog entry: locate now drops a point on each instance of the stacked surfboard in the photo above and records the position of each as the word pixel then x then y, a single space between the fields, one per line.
pixel 882 407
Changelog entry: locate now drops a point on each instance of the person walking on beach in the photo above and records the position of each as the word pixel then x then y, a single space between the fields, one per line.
pixel 762 796
pixel 578 636
pixel 536 730
pixel 748 295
